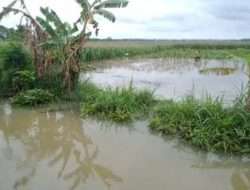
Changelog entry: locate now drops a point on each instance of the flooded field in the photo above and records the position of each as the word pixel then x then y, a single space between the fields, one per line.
pixel 175 78
pixel 56 150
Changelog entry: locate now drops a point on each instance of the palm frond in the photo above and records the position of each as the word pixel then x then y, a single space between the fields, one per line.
pixel 23 4
pixel 53 18
pixel 46 26
pixel 84 4
pixel 112 4
pixel 106 14
pixel 6 10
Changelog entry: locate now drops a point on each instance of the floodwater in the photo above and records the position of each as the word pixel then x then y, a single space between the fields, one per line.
pixel 175 78
pixel 41 149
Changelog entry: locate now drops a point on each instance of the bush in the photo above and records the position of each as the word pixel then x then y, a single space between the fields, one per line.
pixel 23 80
pixel 13 58
pixel 33 97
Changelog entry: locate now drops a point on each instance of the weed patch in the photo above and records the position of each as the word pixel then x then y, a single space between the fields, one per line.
pixel 119 105
pixel 205 124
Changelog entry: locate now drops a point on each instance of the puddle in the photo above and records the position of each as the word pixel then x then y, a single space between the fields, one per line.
pixel 175 78
pixel 59 151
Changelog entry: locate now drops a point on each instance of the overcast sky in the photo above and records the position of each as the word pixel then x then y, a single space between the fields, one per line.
pixel 163 19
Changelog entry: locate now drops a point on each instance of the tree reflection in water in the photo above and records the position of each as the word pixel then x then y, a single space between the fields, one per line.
pixel 57 138
pixel 240 178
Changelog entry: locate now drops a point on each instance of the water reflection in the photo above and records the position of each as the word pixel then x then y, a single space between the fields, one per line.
pixel 56 150
pixel 240 169
pixel 51 140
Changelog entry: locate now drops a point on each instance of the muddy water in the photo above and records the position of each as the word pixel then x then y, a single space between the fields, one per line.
pixel 58 151
pixel 175 78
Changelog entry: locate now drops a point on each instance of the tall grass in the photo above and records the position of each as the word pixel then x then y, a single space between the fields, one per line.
pixel 188 51
pixel 205 124
pixel 119 105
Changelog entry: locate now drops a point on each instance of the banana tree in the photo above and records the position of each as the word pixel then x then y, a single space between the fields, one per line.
pixel 55 42
pixel 87 17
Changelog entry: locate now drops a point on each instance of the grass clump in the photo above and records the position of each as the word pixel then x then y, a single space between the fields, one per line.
pixel 33 97
pixel 119 105
pixel 205 124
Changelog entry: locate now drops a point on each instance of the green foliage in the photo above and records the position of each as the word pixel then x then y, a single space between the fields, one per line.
pixel 111 4
pixel 13 58
pixel 119 105
pixel 33 97
pixel 52 81
pixel 205 124
pixel 23 80
pixel 12 34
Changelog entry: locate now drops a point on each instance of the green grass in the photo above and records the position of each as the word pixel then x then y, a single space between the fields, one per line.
pixel 104 50
pixel 119 105
pixel 205 124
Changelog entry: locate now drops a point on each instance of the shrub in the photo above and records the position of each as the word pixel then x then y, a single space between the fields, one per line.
pixel 13 58
pixel 33 97
pixel 23 80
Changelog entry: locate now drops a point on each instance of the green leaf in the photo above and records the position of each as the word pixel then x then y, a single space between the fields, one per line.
pixel 106 14
pixel 112 4
pixel 46 26
pixel 84 4
pixel 6 10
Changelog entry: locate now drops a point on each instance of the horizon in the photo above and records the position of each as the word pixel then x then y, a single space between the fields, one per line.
pixel 162 19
